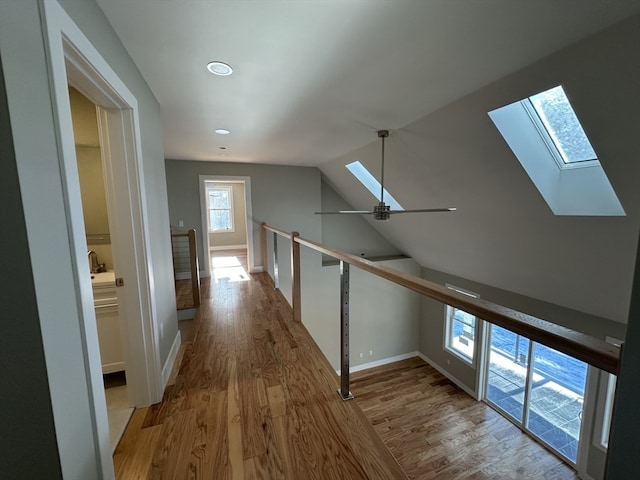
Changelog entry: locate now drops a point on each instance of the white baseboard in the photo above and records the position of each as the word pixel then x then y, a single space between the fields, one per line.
pixel 171 359
pixel 258 269
pixel 378 363
pixel 228 247
pixel 453 379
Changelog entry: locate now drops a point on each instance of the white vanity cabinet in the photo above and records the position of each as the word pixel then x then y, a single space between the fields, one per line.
pixel 108 321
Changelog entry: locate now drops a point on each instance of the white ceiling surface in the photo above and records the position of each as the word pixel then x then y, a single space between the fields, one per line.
pixel 313 80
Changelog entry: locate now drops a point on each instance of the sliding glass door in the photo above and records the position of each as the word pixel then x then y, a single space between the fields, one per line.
pixel 538 388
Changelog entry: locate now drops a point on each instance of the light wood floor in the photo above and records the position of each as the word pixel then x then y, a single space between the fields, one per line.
pixel 253 398
pixel 184 295
pixel 435 430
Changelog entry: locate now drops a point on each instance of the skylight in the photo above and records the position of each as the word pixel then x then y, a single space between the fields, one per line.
pixel 544 133
pixel 559 121
pixel 369 181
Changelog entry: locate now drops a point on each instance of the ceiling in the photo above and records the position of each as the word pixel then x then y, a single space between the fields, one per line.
pixel 314 79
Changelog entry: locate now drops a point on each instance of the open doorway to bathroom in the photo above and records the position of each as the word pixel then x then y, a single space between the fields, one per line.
pixel 89 156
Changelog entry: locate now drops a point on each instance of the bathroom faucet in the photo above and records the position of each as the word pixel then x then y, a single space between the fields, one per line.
pixel 93 261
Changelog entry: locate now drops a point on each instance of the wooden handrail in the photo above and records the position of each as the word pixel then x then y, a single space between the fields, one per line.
pixel 594 351
pixel 276 230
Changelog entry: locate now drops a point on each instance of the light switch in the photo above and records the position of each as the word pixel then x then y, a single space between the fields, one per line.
pixel 180 223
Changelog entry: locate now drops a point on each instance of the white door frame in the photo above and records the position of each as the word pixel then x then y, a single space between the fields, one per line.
pixel 73 60
pixel 248 217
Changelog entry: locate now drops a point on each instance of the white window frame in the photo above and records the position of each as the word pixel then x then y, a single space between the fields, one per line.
pixel 604 411
pixel 580 188
pixel 448 341
pixel 550 143
pixel 229 189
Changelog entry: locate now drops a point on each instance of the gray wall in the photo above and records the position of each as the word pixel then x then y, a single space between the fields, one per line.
pixel 384 317
pixel 351 233
pixel 52 286
pixel 503 233
pixel 283 197
pixel 27 418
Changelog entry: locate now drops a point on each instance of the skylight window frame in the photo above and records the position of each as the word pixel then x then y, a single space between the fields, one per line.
pixel 546 137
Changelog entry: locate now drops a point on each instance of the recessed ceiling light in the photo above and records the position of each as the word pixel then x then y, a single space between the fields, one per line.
pixel 219 68
pixel 222 131
pixel 222 148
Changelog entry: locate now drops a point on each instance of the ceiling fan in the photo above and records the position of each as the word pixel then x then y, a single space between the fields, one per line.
pixel 382 211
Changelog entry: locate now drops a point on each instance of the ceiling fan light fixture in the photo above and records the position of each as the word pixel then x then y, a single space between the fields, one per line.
pixel 382 212
pixel 219 68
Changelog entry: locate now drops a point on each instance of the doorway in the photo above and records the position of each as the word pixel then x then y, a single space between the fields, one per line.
pixel 227 229
pixel 101 264
pixel 538 388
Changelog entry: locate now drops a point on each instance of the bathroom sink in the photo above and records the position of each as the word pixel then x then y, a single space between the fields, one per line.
pixel 103 278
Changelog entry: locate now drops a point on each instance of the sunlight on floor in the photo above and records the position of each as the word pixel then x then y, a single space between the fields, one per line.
pixel 228 269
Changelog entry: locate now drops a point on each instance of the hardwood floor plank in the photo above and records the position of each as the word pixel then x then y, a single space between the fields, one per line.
pixel 253 397
pixel 436 431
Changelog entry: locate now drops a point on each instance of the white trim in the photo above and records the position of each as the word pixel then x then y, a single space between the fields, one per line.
pixel 249 222
pixel 72 60
pixel 227 247
pixel 378 363
pixel 453 379
pixel 171 359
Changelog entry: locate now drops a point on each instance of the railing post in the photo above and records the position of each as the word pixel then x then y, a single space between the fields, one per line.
pixel 276 279
pixel 343 391
pixel 295 277
pixel 195 270
pixel 263 244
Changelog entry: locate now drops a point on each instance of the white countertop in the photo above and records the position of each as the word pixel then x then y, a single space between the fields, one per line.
pixel 104 278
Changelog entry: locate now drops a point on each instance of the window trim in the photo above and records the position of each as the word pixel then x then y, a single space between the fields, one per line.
pixel 229 189
pixel 604 409
pixel 551 145
pixel 449 313
pixel 567 191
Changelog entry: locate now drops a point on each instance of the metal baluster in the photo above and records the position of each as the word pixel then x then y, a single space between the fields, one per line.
pixel 276 278
pixel 343 391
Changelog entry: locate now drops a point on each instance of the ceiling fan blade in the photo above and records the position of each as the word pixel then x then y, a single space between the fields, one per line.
pixel 425 210
pixel 360 212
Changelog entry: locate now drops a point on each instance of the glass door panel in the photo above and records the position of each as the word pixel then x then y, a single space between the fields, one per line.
pixel 507 371
pixel 555 403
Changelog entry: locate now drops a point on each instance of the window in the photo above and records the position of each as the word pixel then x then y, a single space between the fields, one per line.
pixel 460 330
pixel 544 133
pixel 369 181
pixel 220 208
pixel 558 124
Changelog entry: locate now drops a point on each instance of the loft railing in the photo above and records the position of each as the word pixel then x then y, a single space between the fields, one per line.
pixel 593 351
pixel 185 260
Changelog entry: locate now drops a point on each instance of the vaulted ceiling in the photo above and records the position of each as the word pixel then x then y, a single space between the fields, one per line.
pixel 313 80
